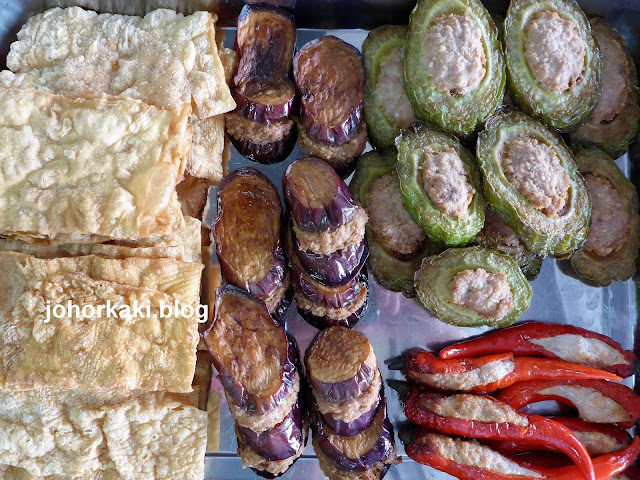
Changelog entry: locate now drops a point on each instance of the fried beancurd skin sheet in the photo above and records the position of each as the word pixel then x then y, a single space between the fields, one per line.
pixel 113 435
pixel 182 244
pixel 164 59
pixel 206 160
pixel 150 349
pixel 84 170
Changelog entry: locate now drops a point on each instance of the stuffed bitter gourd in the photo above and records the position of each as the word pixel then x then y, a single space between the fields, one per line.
pixel 454 65
pixel 532 181
pixel 440 184
pixel 613 238
pixel 553 62
pixel 387 109
pixel 396 244
pixel 613 124
pixel 473 286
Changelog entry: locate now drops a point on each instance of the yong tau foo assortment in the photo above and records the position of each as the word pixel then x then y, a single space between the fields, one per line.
pixel 114 311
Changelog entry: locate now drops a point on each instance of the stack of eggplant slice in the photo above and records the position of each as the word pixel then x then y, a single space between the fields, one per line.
pixel 247 235
pixel 329 75
pixel 353 437
pixel 259 370
pixel 326 245
pixel 262 127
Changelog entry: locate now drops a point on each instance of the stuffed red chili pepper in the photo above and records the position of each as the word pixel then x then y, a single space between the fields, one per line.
pixel 551 340
pixel 597 401
pixel 490 373
pixel 480 416
pixel 598 438
pixel 470 460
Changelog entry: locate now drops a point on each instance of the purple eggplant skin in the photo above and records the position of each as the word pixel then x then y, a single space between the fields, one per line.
pixel 268 211
pixel 259 112
pixel 333 136
pixel 260 406
pixel 329 297
pixel 280 442
pixel 345 169
pixel 337 268
pixel 359 425
pixel 329 74
pixel 280 311
pixel 235 390
pixel 266 52
pixel 350 388
pixel 351 321
pixel 377 455
pixel 335 205
pixel 266 153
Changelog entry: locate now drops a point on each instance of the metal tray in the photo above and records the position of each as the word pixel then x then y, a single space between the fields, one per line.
pixel 394 323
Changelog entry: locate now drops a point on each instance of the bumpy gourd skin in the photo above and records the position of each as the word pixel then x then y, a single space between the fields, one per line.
pixel 530 263
pixel 392 273
pixel 459 114
pixel 434 278
pixel 614 136
pixel 557 236
pixel 562 110
pixel 382 43
pixel 438 225
pixel 619 265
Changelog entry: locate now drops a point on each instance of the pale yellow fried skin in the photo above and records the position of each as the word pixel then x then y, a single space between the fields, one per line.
pixel 182 244
pixel 206 160
pixel 111 435
pixel 80 171
pixel 149 350
pixel 213 414
pixel 76 52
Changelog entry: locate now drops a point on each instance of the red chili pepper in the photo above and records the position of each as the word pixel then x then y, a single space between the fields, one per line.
pixel 597 401
pixel 467 416
pixel 499 371
pixel 525 339
pixel 603 438
pixel 631 473
pixel 605 466
pixel 424 447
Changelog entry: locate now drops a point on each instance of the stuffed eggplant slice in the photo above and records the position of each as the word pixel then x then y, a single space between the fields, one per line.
pixel 329 75
pixel 397 244
pixel 387 108
pixel 613 124
pixel 440 184
pixel 247 236
pixel 262 127
pixel 352 434
pixel 553 62
pixel 613 238
pixel 498 235
pixel 258 368
pixel 326 245
pixel 473 286
pixel 325 216
pixel 532 182
pixel 323 305
pixel 454 68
